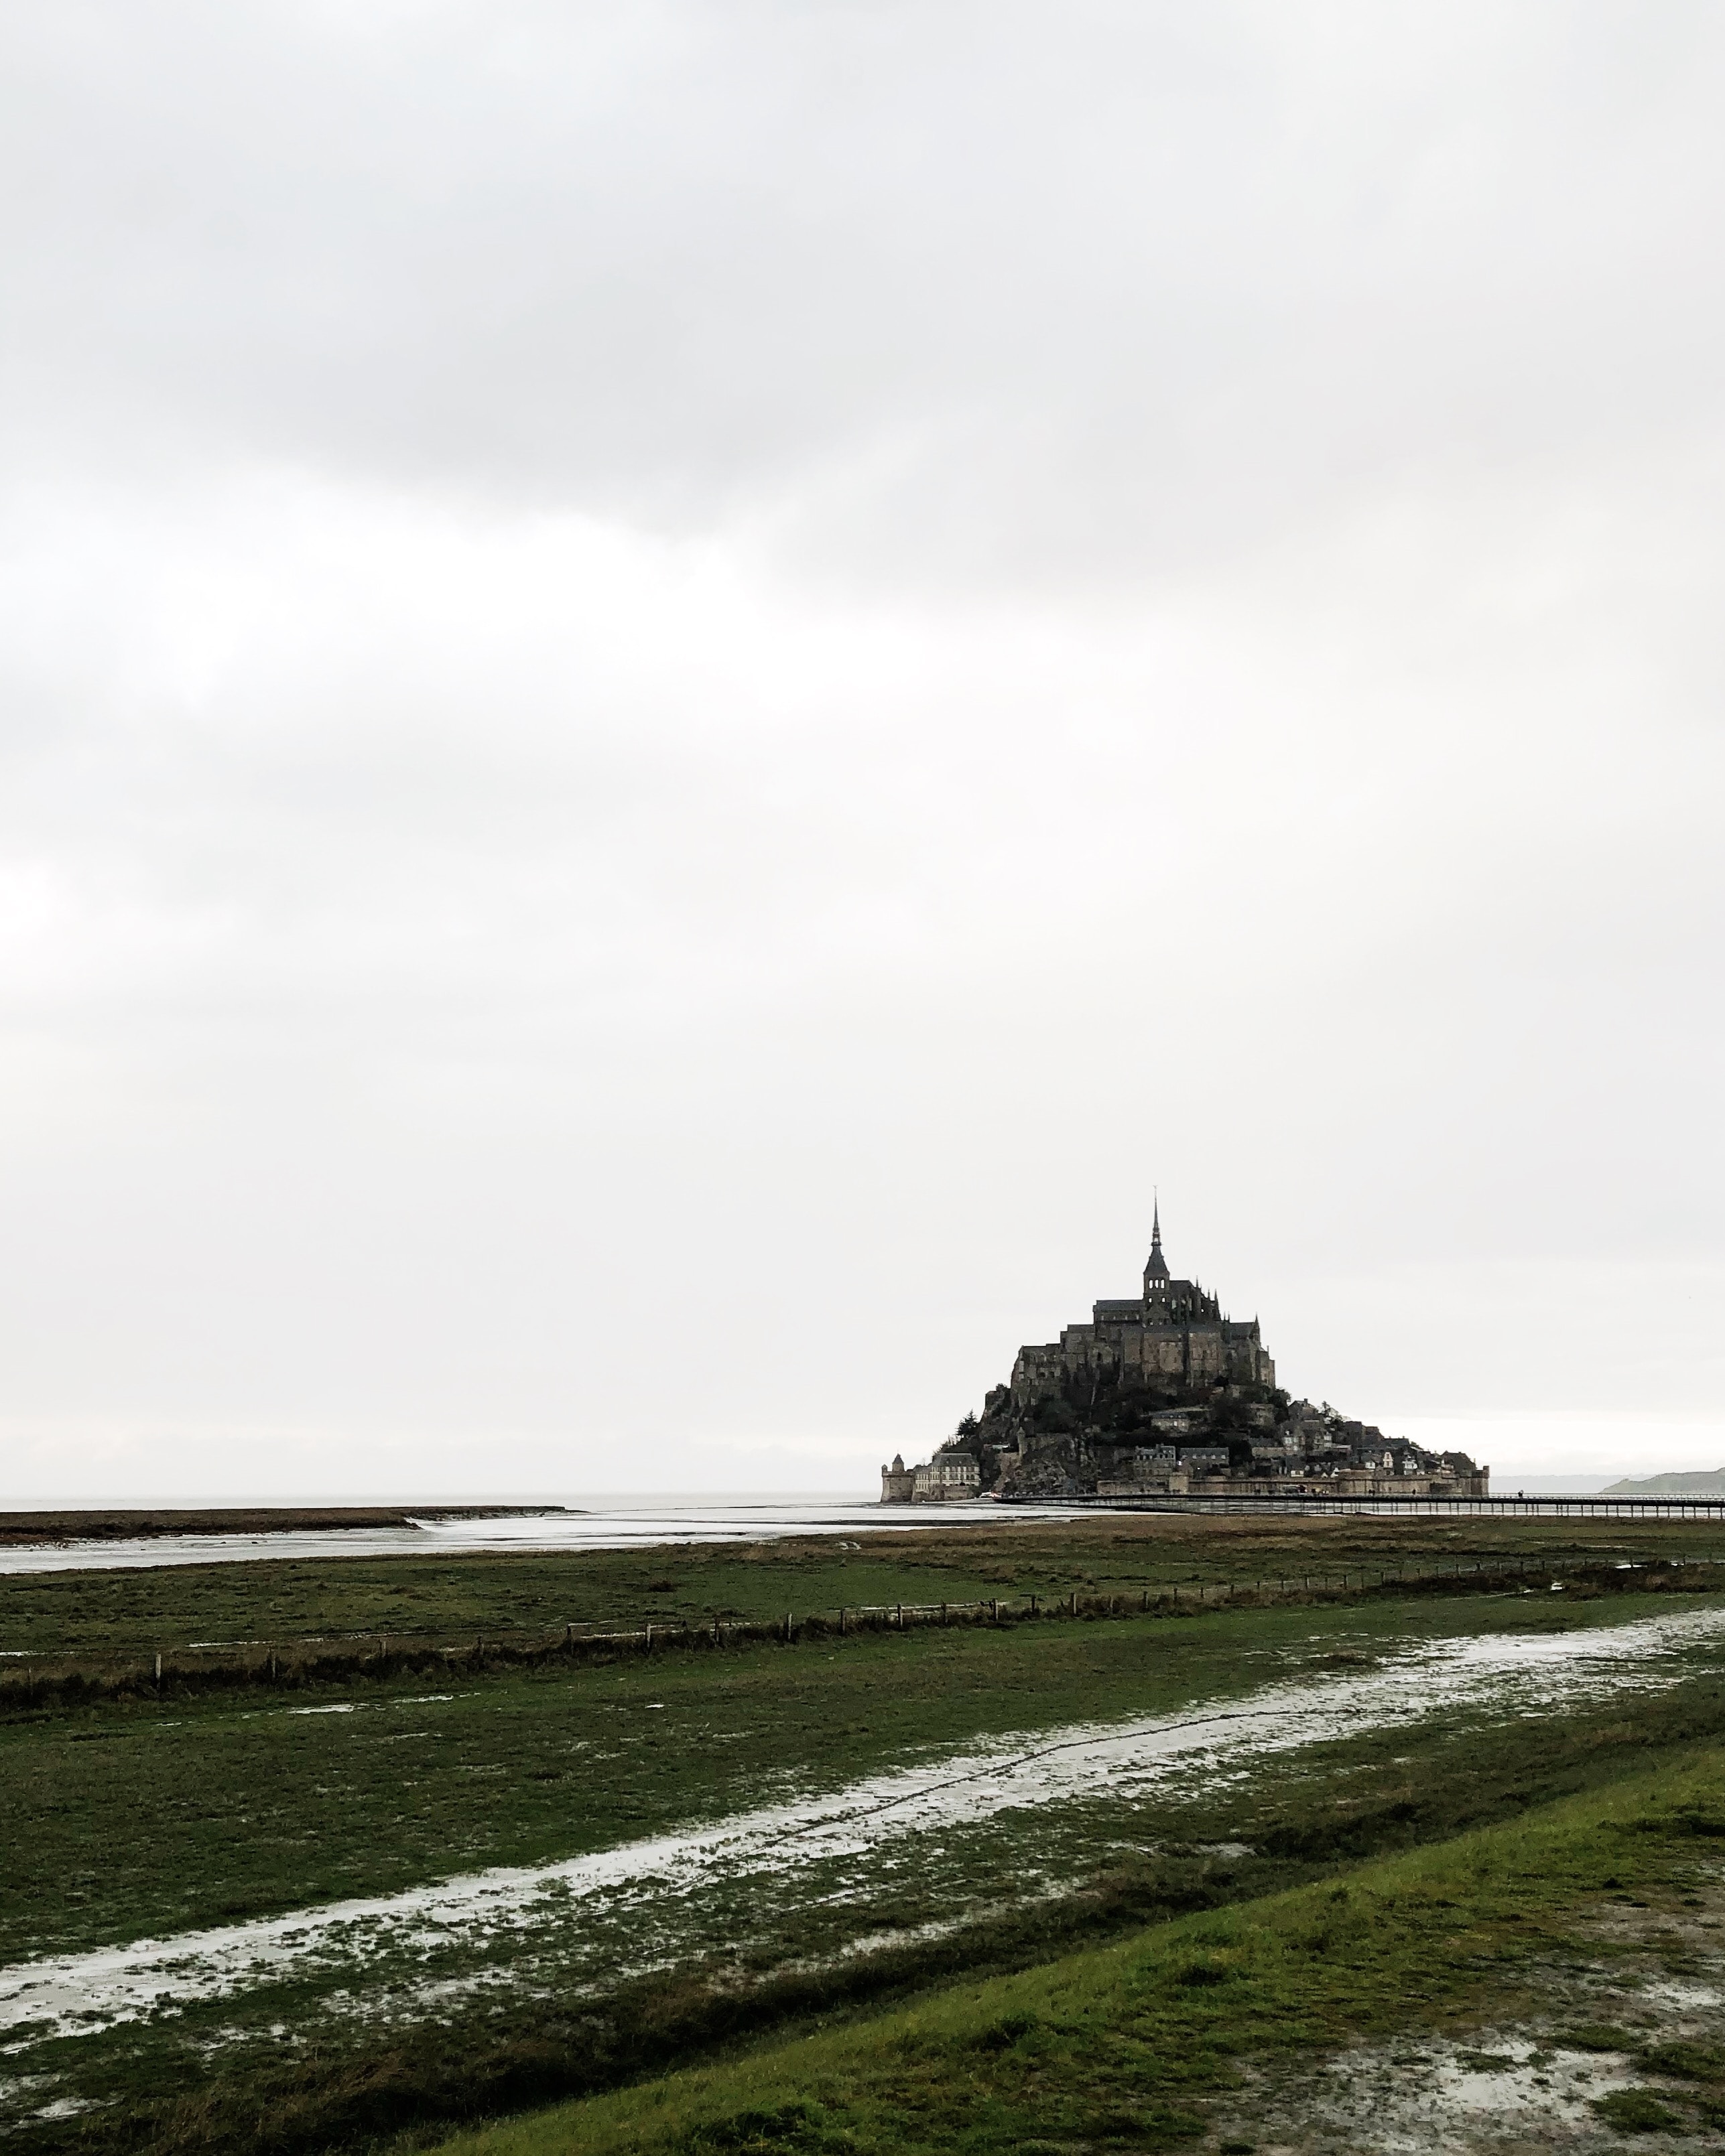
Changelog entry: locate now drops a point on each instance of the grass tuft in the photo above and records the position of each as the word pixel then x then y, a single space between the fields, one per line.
pixel 1686 2061
pixel 1639 2111
pixel 1595 2035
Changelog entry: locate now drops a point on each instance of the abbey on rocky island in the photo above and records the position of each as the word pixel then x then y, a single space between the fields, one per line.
pixel 1161 1395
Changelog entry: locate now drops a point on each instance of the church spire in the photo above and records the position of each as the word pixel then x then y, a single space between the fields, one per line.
pixel 1157 1269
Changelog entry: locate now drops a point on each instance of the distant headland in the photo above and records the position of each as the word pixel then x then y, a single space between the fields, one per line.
pixel 1161 1395
pixel 1692 1482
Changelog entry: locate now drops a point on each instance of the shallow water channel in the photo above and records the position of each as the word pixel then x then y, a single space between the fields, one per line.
pixel 1006 1821
pixel 587 1528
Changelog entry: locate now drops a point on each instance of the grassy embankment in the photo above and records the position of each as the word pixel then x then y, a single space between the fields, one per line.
pixel 26 1530
pixel 1141 2045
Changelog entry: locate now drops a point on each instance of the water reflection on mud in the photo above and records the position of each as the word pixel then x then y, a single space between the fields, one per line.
pixel 599 1527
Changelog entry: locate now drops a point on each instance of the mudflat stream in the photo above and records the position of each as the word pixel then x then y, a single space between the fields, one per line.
pixel 596 1528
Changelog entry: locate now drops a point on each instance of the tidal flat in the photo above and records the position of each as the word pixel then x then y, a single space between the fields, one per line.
pixel 564 1879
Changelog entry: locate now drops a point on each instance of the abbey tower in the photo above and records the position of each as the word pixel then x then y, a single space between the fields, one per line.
pixel 1173 1332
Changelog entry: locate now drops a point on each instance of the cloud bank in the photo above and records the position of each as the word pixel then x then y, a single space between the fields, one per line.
pixel 683 689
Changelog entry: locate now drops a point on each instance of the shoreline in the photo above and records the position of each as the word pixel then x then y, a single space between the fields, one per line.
pixel 67 1524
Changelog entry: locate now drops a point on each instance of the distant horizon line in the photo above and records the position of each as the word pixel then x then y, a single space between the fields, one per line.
pixel 1545 1481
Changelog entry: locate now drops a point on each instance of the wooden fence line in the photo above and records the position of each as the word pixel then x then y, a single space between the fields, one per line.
pixel 34 1677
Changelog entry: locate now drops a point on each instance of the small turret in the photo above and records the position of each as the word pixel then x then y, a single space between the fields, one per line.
pixel 898 1483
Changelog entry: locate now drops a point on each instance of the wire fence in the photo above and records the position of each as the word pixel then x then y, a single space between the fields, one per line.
pixel 41 1678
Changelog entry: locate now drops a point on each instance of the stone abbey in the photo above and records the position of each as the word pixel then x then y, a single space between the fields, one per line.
pixel 1162 1394
pixel 1174 1333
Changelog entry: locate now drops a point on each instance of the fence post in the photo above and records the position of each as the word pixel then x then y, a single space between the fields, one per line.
pixel 899 1615
pixel 650 1635
pixel 158 1666
pixel 788 1623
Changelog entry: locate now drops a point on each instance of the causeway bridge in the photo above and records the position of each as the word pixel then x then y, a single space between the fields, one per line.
pixel 1676 1505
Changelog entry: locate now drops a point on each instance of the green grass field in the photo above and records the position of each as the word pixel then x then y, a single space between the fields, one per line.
pixel 1138 2046
pixel 147 1818
pixel 135 1818
pixel 67 1613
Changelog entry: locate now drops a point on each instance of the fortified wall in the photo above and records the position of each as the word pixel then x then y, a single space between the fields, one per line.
pixel 1162 1394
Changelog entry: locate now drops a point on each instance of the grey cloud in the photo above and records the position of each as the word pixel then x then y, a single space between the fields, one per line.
pixel 1105 289
pixel 684 687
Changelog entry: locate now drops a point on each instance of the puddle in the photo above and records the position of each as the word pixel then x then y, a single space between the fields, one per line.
pixel 1515 2090
pixel 1680 1997
pixel 885 1827
pixel 1448 2100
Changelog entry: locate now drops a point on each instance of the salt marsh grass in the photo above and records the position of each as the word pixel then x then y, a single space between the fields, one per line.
pixel 212 1814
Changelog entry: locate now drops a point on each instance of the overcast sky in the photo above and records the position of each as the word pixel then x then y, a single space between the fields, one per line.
pixel 686 687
